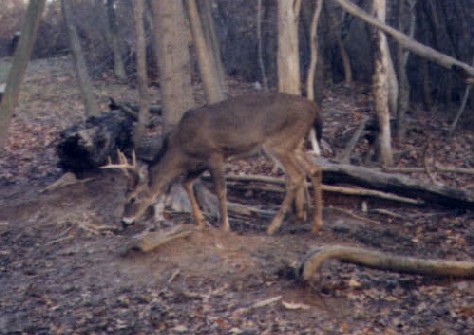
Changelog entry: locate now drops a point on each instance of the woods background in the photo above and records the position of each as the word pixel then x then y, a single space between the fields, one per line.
pixel 444 25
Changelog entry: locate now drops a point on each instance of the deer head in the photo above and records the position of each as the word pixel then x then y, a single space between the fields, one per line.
pixel 207 137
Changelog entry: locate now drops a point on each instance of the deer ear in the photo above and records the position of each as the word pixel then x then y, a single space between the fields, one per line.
pixel 142 173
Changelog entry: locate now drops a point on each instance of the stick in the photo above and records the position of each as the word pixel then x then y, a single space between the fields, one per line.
pixel 152 240
pixel 345 156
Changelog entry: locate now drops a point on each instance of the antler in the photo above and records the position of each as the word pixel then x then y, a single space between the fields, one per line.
pixel 123 163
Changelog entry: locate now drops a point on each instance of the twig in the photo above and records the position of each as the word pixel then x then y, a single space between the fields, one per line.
pixel 426 165
pixel 258 304
pixel 353 216
pixel 174 275
pixel 65 180
pixel 387 212
pixel 462 107
pixel 346 154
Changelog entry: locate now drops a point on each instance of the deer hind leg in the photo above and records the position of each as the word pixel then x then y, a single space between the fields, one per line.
pixel 294 185
pixel 188 186
pixel 216 168
pixel 314 172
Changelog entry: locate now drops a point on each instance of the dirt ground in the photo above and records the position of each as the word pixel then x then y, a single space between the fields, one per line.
pixel 64 268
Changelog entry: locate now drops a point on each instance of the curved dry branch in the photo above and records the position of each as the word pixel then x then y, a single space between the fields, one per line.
pixel 378 260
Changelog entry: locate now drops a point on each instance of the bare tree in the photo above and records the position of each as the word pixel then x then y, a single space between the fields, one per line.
pixel 119 69
pixel 380 87
pixel 314 50
pixel 209 31
pixel 289 79
pixel 261 62
pixel 406 13
pixel 173 59
pixel 336 32
pixel 463 70
pixel 206 58
pixel 21 58
pixel 142 76
pixel 83 78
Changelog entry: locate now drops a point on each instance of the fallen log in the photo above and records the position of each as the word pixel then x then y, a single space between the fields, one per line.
pixel 400 185
pixel 280 183
pixel 378 260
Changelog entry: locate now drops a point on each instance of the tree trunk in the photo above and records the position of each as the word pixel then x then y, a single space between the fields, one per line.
pixel 119 69
pixel 21 58
pixel 173 60
pixel 209 30
pixel 83 79
pixel 289 80
pixel 142 77
pixel 335 31
pixel 405 13
pixel 380 88
pixel 261 62
pixel 314 50
pixel 206 61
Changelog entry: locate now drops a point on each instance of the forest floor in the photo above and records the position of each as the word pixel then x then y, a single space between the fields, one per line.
pixel 63 269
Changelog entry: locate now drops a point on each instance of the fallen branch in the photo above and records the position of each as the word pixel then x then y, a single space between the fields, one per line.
pixel 436 169
pixel 258 304
pixel 336 189
pixel 152 240
pixel 378 260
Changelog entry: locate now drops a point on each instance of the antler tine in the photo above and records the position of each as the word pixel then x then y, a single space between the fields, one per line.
pixel 122 162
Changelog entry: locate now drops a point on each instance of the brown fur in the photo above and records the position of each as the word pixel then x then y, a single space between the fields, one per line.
pixel 207 137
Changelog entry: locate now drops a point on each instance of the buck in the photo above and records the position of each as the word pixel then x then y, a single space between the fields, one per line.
pixel 206 137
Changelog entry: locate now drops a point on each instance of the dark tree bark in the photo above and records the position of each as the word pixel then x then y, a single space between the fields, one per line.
pixel 407 25
pixel 9 99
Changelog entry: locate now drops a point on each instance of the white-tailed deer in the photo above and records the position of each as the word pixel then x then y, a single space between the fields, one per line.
pixel 207 137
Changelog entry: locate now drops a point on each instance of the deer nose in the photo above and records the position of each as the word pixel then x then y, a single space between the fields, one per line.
pixel 128 221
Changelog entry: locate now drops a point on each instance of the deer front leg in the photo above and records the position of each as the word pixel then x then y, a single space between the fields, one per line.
pixel 188 186
pixel 216 168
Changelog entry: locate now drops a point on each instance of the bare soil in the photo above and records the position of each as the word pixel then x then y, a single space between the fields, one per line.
pixel 65 266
